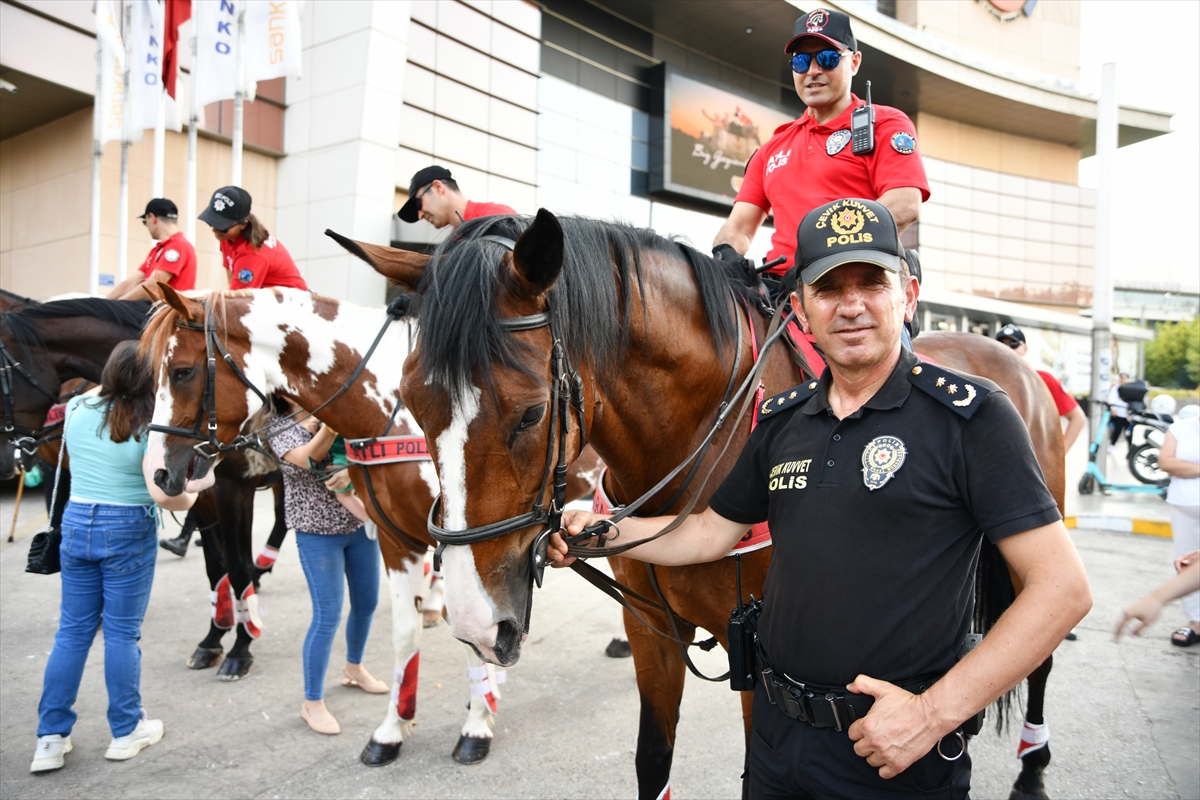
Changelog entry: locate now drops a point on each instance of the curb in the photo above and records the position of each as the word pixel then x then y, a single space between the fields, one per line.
pixel 1146 527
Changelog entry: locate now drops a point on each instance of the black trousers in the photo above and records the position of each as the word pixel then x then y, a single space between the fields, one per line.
pixel 795 760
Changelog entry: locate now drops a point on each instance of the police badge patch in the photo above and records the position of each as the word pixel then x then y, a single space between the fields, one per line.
pixel 881 458
pixel 171 255
pixel 836 142
pixel 904 143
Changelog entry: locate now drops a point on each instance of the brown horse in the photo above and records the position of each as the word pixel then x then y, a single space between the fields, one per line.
pixel 645 337
pixel 305 347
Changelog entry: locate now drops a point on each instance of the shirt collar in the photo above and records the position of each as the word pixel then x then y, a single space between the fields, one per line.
pixel 837 123
pixel 892 394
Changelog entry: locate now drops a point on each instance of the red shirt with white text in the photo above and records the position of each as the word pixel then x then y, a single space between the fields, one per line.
pixel 269 265
pixel 175 255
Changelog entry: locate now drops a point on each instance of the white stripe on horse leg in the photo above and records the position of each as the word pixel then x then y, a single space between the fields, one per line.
pixel 406 586
pixel 481 717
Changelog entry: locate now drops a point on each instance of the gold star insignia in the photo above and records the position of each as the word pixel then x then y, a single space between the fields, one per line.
pixel 812 385
pixel 952 388
pixel 916 370
pixel 940 382
pixel 792 396
pixel 780 402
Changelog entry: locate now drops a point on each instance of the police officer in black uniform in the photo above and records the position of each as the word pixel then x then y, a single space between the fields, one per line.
pixel 878 481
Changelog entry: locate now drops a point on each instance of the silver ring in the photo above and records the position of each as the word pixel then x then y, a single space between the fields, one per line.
pixel 962 740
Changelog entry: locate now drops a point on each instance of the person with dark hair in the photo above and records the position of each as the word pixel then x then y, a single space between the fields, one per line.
pixel 172 260
pixel 108 555
pixel 253 257
pixel 1068 407
pixel 434 196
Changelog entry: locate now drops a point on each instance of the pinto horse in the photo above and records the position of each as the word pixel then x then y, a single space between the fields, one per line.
pixel 66 339
pixel 303 347
pixel 645 338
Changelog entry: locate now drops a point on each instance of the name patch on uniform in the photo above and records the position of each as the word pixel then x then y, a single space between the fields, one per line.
pixel 245 276
pixel 881 458
pixel 904 143
pixel 836 142
pixel 171 255
pixel 789 475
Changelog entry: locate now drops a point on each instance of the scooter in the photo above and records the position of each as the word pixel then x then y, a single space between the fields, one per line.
pixel 1094 476
pixel 1145 431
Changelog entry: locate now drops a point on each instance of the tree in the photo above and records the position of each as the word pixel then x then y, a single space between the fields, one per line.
pixel 1173 358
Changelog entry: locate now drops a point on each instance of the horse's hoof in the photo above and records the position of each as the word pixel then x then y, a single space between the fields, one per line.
pixel 618 648
pixel 235 668
pixel 470 750
pixel 205 657
pixel 376 754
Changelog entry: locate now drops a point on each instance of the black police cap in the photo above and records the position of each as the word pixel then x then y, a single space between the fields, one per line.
pixel 832 26
pixel 162 208
pixel 847 231
pixel 410 211
pixel 1010 332
pixel 229 206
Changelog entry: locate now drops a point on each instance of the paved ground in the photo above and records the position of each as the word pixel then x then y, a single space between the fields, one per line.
pixel 1125 718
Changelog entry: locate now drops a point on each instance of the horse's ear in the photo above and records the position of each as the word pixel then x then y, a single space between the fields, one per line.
pixel 538 253
pixel 152 291
pixel 188 308
pixel 401 266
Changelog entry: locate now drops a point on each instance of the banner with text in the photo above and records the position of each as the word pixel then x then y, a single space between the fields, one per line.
pixel 272 39
pixel 112 72
pixel 217 44
pixel 145 70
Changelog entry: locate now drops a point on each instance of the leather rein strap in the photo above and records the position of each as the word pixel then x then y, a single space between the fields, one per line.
pixel 31 439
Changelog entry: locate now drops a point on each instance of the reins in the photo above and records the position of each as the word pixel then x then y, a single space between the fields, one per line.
pixel 32 439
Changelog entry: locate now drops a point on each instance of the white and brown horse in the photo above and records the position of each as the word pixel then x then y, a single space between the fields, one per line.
pixel 305 347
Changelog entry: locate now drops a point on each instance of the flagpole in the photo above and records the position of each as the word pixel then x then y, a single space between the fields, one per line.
pixel 193 124
pixel 97 156
pixel 123 202
pixel 239 99
pixel 160 143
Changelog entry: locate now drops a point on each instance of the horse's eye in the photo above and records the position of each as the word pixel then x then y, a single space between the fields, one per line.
pixel 182 374
pixel 531 417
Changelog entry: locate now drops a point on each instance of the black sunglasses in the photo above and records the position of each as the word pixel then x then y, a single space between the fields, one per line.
pixel 826 59
pixel 1013 343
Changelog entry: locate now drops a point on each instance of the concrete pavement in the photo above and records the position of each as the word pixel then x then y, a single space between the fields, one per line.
pixel 1125 718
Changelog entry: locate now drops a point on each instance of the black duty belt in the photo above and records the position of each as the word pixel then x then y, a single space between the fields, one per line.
pixel 825 706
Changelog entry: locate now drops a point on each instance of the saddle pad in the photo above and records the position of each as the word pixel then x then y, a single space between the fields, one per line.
pixel 55 414
pixel 387 450
pixel 756 538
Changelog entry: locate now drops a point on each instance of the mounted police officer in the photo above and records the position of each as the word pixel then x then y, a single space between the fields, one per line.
pixel 434 196
pixel 172 260
pixel 879 481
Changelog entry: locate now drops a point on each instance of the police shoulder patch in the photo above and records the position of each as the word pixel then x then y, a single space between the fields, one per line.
pixel 904 143
pixel 785 400
pixel 960 393
pixel 171 255
pixel 245 276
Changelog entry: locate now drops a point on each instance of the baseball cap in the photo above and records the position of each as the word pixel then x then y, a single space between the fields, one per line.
pixel 847 231
pixel 832 26
pixel 1012 332
pixel 409 211
pixel 229 206
pixel 161 207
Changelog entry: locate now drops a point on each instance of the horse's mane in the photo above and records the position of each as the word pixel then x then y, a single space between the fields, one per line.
pixel 17 298
pixel 163 317
pixel 461 334
pixel 129 315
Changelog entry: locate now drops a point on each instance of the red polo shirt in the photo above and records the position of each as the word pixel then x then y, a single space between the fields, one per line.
pixel 270 265
pixel 793 173
pixel 175 255
pixel 475 210
pixel 1062 401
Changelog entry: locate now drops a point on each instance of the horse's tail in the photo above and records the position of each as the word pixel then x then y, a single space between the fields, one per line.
pixel 994 593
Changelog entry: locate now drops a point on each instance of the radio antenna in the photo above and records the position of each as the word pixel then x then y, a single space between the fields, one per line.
pixel 868 93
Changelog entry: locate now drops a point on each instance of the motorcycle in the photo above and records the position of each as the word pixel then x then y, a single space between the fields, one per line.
pixel 1145 431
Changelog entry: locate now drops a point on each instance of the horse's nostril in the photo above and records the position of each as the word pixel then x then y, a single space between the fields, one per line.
pixel 160 479
pixel 508 641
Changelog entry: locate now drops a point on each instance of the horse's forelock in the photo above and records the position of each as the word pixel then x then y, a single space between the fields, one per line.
pixel 462 340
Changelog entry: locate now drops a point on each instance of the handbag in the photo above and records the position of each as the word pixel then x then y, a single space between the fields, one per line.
pixel 44 558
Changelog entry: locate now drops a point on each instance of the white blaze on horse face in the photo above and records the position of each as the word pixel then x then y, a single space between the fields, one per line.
pixel 164 407
pixel 473 615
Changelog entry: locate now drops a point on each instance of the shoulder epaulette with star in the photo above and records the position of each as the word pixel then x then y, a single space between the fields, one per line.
pixel 785 400
pixel 959 393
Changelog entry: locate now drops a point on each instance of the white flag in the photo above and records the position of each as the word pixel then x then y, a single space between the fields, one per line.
pixel 272 39
pixel 145 72
pixel 112 72
pixel 216 74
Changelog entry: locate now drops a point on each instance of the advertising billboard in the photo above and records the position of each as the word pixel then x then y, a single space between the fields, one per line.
pixel 708 135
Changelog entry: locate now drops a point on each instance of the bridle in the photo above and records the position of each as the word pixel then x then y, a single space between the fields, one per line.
pixel 25 438
pixel 566 392
pixel 208 445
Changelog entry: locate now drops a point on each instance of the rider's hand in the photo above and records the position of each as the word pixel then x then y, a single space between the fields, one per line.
pixel 725 252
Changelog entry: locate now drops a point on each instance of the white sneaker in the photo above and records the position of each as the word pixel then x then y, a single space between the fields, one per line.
pixel 147 732
pixel 50 752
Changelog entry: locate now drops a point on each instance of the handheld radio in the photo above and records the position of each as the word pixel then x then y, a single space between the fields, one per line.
pixel 862 127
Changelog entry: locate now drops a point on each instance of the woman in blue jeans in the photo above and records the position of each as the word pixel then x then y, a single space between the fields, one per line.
pixel 335 550
pixel 108 552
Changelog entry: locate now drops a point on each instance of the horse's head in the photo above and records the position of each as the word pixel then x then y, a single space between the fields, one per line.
pixel 491 388
pixel 194 387
pixel 29 386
